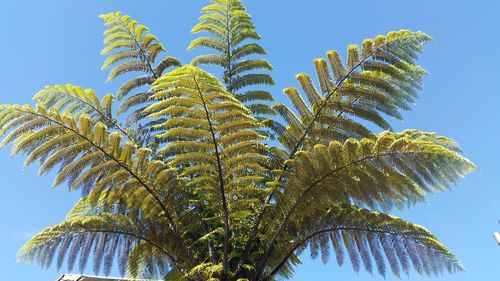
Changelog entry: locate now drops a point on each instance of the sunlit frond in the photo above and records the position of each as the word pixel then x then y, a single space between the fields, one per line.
pixel 132 48
pixel 378 82
pixel 232 33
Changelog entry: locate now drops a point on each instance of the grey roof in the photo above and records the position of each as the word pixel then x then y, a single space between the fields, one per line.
pixel 80 277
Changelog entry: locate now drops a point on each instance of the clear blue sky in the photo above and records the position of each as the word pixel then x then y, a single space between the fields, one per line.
pixel 55 42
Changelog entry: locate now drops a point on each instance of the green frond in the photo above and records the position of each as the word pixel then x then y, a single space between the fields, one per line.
pixel 248 49
pixel 117 45
pixel 324 78
pixel 70 98
pixel 312 94
pixel 213 27
pixel 98 235
pixel 369 236
pixel 89 155
pixel 213 129
pixel 229 28
pixel 166 63
pixel 132 48
pixel 133 101
pixel 383 164
pixel 244 35
pixel 299 104
pixel 254 95
pixel 336 64
pixel 118 57
pixel 248 65
pixel 132 84
pixel 289 116
pixel 379 82
pixel 261 109
pixel 392 170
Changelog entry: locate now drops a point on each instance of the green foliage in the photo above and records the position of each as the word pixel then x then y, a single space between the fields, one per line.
pixel 232 39
pixel 376 84
pixel 131 48
pixel 193 190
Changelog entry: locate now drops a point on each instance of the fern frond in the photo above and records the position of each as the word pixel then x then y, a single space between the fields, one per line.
pixel 131 48
pixel 230 27
pixel 379 81
pixel 219 60
pixel 77 101
pixel 207 42
pixel 371 236
pixel 98 235
pixel 73 99
pixel 166 63
pixel 194 187
pixel 102 164
pixel 395 169
pixel 132 84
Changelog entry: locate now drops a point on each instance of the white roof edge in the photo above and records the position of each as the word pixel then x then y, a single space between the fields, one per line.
pixel 83 277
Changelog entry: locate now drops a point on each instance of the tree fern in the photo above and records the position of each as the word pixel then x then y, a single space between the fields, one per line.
pixel 232 39
pixel 190 188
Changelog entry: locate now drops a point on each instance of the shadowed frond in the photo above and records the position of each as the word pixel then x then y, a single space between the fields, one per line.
pixel 131 46
pixel 394 169
pixel 232 33
pixel 348 98
pixel 100 238
pixel 372 239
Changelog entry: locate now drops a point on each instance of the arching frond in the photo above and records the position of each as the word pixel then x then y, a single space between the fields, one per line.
pixel 130 44
pixel 378 82
pixel 105 236
pixel 348 95
pixel 72 99
pixel 231 31
pixel 393 170
pixel 131 48
pixel 374 238
pixel 77 101
pixel 92 159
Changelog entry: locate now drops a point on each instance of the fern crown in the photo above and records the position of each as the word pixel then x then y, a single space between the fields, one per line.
pixel 185 176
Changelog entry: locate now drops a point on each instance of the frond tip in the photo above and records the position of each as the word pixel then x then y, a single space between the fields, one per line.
pixel 232 33
pixel 132 48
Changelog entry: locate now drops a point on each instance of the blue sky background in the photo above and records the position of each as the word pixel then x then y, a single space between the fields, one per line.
pixel 57 42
